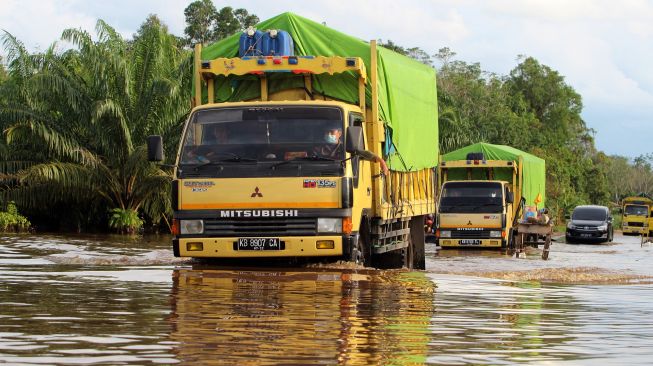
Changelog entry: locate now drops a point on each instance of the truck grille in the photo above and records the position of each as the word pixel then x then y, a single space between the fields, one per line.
pixel 471 234
pixel 261 226
pixel 635 224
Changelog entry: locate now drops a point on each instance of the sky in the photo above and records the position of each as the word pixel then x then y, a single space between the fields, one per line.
pixel 603 48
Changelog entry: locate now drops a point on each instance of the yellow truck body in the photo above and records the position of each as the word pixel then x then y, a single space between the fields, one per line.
pixel 227 206
pixel 636 215
pixel 478 213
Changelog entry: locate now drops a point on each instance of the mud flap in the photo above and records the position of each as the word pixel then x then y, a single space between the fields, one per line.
pixel 418 238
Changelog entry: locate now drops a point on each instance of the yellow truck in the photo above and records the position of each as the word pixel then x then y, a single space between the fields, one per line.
pixel 636 215
pixel 483 190
pixel 284 156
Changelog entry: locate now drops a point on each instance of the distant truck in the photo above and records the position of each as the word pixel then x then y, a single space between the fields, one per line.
pixel 483 190
pixel 636 215
pixel 284 153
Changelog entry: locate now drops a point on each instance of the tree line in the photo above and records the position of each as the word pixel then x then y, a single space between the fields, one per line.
pixel 74 122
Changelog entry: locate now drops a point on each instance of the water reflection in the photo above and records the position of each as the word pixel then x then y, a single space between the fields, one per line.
pixel 502 322
pixel 85 300
pixel 308 317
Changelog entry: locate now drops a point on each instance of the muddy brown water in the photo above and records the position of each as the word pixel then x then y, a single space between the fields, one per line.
pixel 107 300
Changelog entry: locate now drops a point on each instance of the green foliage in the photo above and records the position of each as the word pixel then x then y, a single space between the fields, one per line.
pixel 3 72
pixel 392 46
pixel 12 221
pixel 125 221
pixel 200 22
pixel 205 24
pixel 532 109
pixel 76 121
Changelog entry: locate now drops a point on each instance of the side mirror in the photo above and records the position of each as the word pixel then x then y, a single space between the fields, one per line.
pixel 567 217
pixel 155 148
pixel 510 197
pixel 355 140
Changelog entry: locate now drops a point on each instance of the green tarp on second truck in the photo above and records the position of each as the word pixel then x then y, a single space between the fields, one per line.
pixel 407 88
pixel 534 174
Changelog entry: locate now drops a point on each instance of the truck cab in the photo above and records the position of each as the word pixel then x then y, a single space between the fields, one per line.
pixel 268 178
pixel 475 214
pixel 636 215
pixel 295 172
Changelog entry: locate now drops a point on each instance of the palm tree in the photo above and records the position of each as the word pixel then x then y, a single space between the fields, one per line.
pixel 76 129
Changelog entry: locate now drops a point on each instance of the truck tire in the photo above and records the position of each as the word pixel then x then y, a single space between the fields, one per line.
pixel 510 240
pixel 417 238
pixel 361 250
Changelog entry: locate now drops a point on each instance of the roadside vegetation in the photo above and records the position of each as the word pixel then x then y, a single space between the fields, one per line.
pixel 75 118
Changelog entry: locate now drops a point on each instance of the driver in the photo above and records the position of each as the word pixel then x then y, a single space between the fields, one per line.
pixel 332 148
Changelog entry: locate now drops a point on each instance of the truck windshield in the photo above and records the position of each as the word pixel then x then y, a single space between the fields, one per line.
pixel 264 134
pixel 589 214
pixel 637 210
pixel 470 197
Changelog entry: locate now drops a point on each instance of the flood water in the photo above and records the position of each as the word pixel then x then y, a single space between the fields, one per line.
pixel 116 300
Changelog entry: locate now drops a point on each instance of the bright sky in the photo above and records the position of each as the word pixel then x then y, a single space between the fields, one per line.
pixel 604 48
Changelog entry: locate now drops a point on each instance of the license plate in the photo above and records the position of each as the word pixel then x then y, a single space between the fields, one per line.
pixel 258 244
pixel 586 235
pixel 470 242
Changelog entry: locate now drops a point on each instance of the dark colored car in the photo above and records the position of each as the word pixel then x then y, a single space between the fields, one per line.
pixel 589 224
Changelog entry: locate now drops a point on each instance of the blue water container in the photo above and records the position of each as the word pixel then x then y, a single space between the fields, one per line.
pixel 250 45
pixel 277 43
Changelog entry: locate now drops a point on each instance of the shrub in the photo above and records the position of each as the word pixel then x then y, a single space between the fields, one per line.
pixel 12 221
pixel 125 221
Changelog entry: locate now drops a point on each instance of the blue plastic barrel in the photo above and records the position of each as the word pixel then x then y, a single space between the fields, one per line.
pixel 277 43
pixel 250 45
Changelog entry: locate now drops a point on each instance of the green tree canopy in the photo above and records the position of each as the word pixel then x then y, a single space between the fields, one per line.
pixel 76 121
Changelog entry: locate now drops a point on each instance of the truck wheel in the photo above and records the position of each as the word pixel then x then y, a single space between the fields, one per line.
pixel 408 255
pixel 360 252
pixel 417 256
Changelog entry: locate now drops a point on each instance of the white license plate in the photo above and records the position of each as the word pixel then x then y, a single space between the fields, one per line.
pixel 470 242
pixel 259 244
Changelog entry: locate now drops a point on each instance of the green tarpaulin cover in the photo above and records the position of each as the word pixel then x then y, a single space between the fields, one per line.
pixel 534 174
pixel 407 89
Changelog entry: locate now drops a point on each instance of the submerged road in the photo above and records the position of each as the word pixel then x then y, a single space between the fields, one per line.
pixel 112 300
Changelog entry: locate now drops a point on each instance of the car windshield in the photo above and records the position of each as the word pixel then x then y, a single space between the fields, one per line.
pixel 637 210
pixel 589 214
pixel 470 197
pixel 264 134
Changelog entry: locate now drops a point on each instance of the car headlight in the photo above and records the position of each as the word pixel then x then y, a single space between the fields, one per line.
pixel 445 233
pixel 603 227
pixel 329 225
pixel 570 225
pixel 495 234
pixel 191 226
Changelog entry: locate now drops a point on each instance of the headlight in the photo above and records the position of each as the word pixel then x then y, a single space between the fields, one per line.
pixel 603 227
pixel 329 225
pixel 495 234
pixel 445 233
pixel 191 226
pixel 570 225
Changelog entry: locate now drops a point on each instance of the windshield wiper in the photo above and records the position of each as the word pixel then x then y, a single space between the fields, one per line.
pixel 302 158
pixel 233 158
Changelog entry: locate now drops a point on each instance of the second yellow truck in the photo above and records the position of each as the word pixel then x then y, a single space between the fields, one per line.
pixel 483 190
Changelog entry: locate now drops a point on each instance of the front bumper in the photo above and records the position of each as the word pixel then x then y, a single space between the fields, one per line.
pixel 293 246
pixel 586 234
pixel 634 229
pixel 471 243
